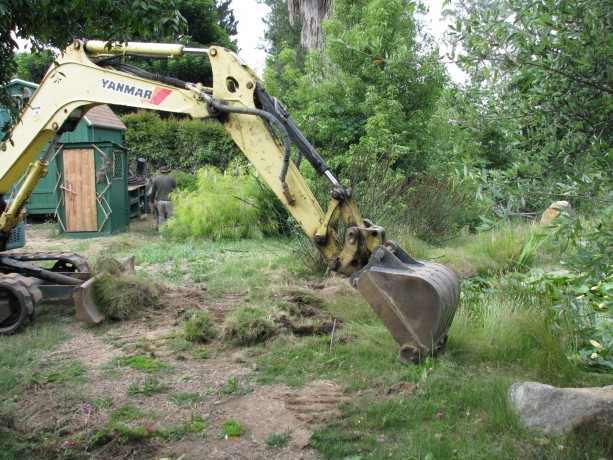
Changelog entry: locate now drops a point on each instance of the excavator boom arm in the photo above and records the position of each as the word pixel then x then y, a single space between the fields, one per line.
pixel 415 300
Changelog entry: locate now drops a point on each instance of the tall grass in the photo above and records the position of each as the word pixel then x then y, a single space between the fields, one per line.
pixel 224 206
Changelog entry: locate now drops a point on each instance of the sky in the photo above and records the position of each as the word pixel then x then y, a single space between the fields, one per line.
pixel 250 14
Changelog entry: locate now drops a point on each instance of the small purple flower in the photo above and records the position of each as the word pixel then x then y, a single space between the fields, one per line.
pixel 88 408
pixel 148 428
pixel 68 443
pixel 438 416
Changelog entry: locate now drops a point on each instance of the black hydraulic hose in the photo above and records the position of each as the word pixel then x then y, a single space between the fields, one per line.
pixel 151 76
pixel 273 106
pixel 220 106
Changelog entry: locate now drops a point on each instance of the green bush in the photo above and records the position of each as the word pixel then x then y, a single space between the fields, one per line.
pixel 181 143
pixel 224 206
pixel 199 326
pixel 436 209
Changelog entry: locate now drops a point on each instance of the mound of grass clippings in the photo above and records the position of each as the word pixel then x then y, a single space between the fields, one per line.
pixel 120 294
pixel 249 326
pixel 199 326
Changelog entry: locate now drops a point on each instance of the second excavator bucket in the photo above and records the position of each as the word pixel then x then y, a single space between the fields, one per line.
pixel 415 300
pixel 84 304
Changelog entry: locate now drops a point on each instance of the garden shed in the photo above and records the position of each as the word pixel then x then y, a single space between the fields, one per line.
pixel 86 187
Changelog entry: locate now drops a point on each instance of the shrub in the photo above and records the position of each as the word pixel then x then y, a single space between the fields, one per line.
pixel 224 206
pixel 436 209
pixel 181 143
pixel 199 326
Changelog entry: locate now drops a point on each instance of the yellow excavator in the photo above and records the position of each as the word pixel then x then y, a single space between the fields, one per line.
pixel 415 300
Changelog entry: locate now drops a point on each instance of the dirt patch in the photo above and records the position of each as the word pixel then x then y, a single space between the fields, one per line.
pixel 70 414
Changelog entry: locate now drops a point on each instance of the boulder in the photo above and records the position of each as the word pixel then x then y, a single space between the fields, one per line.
pixel 554 210
pixel 559 410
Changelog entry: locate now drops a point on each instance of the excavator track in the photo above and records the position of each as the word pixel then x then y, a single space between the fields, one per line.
pixel 19 301
pixel 65 261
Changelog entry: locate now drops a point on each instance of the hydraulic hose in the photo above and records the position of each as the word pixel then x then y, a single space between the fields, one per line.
pixel 287 144
pixel 220 107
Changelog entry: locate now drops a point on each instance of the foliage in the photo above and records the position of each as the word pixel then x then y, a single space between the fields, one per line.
pixel 373 87
pixel 280 32
pixel 224 206
pixel 176 433
pixel 438 208
pixel 57 24
pixel 209 22
pixel 142 363
pixel 180 143
pixel 236 387
pixel 278 440
pixel 32 67
pixel 199 326
pixel 150 386
pixel 231 427
pixel 540 72
pixel 584 289
pixel 184 399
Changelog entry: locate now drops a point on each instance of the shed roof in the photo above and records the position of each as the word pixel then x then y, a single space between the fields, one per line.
pixel 103 116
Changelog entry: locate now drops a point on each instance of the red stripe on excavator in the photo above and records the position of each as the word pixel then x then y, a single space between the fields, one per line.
pixel 159 94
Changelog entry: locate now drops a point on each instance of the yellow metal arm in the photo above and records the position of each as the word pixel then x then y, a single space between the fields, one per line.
pixel 415 300
pixel 77 81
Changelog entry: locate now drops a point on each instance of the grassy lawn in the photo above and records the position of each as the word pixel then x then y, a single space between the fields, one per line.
pixel 452 407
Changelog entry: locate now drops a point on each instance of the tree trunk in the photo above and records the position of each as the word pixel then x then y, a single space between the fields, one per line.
pixel 312 13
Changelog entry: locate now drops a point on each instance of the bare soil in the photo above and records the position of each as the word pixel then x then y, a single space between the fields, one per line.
pixel 74 416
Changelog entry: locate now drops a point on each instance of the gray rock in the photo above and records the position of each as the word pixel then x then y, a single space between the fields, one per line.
pixel 559 410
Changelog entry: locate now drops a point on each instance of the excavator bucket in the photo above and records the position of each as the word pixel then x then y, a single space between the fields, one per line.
pixel 415 300
pixel 84 303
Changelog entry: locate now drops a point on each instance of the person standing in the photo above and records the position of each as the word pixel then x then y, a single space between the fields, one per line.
pixel 163 185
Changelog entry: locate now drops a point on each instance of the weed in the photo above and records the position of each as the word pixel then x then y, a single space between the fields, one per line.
pixel 200 353
pixel 20 353
pixel 70 371
pixel 150 386
pixel 176 433
pixel 102 403
pixel 124 297
pixel 120 433
pixel 142 363
pixel 235 387
pixel 232 428
pixel 278 440
pixel 179 345
pixel 184 399
pixel 199 326
pixel 127 413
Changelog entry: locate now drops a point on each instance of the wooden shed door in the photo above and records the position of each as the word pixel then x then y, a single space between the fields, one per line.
pixel 80 190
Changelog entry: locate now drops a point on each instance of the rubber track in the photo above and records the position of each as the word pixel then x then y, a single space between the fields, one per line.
pixel 76 260
pixel 25 289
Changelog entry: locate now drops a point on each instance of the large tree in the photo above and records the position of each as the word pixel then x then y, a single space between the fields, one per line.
pixel 542 73
pixel 373 86
pixel 56 24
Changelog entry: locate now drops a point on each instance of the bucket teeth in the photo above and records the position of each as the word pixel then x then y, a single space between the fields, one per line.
pixel 415 300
